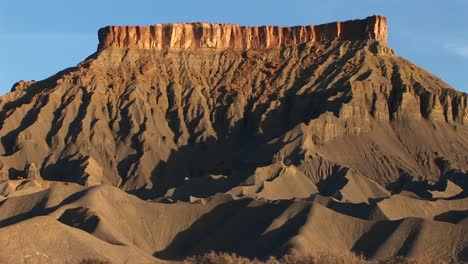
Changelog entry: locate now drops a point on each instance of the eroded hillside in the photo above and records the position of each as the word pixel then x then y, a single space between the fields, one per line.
pixel 327 115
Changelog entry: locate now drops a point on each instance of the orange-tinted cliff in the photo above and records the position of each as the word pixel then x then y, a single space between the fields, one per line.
pixel 229 36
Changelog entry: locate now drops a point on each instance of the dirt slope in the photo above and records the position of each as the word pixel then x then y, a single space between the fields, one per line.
pixel 121 222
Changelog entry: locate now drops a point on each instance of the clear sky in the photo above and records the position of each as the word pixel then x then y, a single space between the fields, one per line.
pixel 41 37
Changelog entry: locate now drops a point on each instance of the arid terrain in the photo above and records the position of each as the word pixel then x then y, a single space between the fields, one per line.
pixel 175 140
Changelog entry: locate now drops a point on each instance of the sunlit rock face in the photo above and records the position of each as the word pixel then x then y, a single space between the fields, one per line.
pixel 229 36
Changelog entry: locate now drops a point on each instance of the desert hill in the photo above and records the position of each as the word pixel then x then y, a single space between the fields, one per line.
pixel 137 229
pixel 252 140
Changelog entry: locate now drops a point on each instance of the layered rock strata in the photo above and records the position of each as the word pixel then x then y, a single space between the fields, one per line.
pixel 229 36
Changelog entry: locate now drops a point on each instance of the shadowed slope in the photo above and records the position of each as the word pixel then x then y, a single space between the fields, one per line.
pixel 246 226
pixel 128 117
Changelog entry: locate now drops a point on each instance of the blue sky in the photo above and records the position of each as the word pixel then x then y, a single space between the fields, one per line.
pixel 40 38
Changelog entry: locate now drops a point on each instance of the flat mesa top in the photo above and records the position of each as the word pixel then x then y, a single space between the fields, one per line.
pixel 185 36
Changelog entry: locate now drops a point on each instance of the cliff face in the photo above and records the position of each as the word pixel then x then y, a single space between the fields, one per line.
pixel 228 36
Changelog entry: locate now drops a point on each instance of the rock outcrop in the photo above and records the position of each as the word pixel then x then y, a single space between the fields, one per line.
pixel 144 119
pixel 228 36
pixel 32 172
